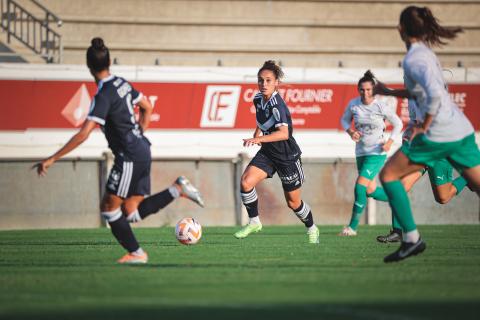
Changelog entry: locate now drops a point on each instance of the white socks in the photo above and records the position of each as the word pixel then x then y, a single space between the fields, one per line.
pixel 411 237
pixel 254 220
pixel 174 191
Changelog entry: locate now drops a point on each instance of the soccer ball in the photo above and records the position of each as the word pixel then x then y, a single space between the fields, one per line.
pixel 188 231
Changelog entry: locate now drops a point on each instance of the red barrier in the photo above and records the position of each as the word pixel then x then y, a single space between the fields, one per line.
pixel 64 104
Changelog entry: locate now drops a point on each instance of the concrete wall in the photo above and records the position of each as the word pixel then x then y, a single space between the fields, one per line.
pixel 316 33
pixel 68 197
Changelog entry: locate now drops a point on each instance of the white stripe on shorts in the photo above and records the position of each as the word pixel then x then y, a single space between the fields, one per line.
pixel 300 170
pixel 125 180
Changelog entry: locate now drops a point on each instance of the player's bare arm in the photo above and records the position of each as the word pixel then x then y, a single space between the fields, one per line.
pixel 73 143
pixel 278 135
pixel 146 109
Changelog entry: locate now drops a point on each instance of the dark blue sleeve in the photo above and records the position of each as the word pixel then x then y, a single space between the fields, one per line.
pixel 136 95
pixel 99 109
pixel 280 114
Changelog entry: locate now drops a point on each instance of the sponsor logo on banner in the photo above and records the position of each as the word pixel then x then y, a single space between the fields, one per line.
pixel 77 108
pixel 220 106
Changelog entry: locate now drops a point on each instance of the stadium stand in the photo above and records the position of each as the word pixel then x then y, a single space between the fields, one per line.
pixel 307 34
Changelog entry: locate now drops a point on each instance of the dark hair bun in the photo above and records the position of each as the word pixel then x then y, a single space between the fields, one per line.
pixel 97 43
pixel 369 74
pixel 274 67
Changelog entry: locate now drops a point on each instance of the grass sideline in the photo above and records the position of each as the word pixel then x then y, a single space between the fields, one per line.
pixel 71 274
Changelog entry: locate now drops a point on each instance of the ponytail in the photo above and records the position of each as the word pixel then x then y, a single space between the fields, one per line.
pixel 419 22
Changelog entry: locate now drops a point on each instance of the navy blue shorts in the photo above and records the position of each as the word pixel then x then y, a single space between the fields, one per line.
pixel 129 178
pixel 290 173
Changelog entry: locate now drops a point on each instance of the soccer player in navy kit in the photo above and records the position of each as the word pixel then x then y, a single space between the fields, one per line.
pixel 129 181
pixel 279 153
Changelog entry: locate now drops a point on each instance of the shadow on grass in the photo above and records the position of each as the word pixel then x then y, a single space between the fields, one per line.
pixel 397 311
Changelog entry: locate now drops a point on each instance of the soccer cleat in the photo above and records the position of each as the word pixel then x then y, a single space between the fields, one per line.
pixel 314 236
pixel 395 235
pixel 248 229
pixel 189 191
pixel 133 258
pixel 347 232
pixel 406 250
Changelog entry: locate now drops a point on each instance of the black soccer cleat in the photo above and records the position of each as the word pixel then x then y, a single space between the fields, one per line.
pixel 406 250
pixel 395 235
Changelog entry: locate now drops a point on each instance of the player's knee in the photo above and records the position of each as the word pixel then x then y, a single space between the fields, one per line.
pixel 106 206
pixel 246 183
pixel 128 207
pixel 442 199
pixel 386 175
pixel 294 204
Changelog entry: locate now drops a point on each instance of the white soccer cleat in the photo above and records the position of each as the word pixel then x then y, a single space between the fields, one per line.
pixel 189 191
pixel 347 232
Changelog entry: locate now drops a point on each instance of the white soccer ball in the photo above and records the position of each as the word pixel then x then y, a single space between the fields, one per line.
pixel 188 231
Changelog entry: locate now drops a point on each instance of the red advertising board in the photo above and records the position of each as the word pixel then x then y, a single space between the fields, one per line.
pixel 64 104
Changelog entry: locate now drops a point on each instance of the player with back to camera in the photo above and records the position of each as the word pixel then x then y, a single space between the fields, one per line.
pixel 444 133
pixel 279 153
pixel 368 115
pixel 129 180
pixel 444 187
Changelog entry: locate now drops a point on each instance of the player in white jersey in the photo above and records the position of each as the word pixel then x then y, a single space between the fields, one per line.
pixel 445 132
pixel 444 187
pixel 368 115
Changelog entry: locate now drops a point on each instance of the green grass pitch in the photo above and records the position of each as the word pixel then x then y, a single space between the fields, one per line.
pixel 71 274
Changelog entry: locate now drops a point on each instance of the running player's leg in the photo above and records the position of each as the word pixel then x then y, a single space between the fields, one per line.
pixel 368 167
pixel 117 190
pixel 473 177
pixel 395 234
pixel 250 178
pixel 121 230
pixel 376 192
pixel 259 169
pixel 293 177
pixel 136 207
pixel 396 168
pixel 360 201
pixel 466 159
pixel 444 187
pixel 304 213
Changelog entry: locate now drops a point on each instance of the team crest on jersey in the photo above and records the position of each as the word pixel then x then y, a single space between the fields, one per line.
pixel 276 114
pixel 267 112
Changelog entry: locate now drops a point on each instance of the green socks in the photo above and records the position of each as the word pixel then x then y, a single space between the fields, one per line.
pixel 358 205
pixel 400 204
pixel 459 183
pixel 379 194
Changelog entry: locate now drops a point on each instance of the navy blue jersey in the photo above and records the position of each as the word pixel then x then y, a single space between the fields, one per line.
pixel 271 115
pixel 112 108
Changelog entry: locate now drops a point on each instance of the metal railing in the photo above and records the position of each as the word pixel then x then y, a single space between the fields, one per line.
pixel 34 33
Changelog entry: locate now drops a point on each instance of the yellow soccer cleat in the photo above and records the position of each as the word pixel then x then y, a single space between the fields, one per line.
pixel 248 229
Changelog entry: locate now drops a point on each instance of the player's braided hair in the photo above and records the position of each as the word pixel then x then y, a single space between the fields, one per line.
pixel 98 56
pixel 272 66
pixel 421 23
pixel 367 77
